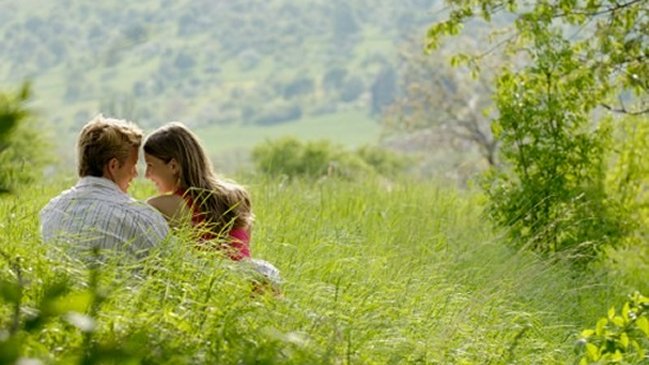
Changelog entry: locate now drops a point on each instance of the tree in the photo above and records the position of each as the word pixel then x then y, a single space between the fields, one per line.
pixel 334 79
pixel 579 56
pixel 444 101
pixel 352 89
pixel 384 89
pixel 184 61
pixel 300 86
pixel 608 37
pixel 344 22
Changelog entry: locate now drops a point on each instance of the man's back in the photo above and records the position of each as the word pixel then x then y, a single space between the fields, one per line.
pixel 96 213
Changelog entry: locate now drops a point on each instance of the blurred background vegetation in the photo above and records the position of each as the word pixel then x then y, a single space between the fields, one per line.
pixel 238 73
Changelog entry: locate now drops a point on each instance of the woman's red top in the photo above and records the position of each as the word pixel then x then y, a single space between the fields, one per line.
pixel 239 245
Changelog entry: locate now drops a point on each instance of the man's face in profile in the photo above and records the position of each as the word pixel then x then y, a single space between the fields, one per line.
pixel 127 171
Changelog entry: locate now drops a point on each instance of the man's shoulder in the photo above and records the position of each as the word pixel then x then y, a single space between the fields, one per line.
pixel 63 198
pixel 102 202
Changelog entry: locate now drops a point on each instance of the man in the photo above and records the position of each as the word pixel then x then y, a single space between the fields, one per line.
pixel 97 212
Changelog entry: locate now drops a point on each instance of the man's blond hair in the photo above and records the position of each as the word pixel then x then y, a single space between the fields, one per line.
pixel 102 139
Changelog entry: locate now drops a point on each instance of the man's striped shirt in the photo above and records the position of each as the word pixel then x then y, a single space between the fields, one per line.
pixel 96 213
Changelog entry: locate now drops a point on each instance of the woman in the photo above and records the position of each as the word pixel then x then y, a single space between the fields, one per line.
pixel 190 193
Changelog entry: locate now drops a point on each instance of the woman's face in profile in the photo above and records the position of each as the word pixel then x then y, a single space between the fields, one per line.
pixel 163 174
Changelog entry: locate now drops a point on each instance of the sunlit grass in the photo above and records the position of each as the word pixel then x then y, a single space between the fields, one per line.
pixel 373 272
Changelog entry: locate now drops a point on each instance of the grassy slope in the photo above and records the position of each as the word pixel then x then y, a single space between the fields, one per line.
pixel 374 273
pixel 106 82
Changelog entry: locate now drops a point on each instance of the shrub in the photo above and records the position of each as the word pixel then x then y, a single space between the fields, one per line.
pixel 552 196
pixel 279 157
pixel 385 162
pixel 290 157
pixel 12 111
pixel 21 146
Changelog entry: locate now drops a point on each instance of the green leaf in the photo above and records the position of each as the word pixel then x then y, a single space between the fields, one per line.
pixel 625 311
pixel 587 333
pixel 624 340
pixel 643 325
pixel 611 313
pixel 599 328
pixel 592 351
pixel 618 321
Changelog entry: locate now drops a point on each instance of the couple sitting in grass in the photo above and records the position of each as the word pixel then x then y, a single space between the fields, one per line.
pixel 98 213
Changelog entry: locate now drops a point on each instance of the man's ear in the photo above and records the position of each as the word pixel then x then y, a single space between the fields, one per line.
pixel 111 166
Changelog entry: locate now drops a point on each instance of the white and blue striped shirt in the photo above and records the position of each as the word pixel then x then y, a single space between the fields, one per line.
pixel 95 213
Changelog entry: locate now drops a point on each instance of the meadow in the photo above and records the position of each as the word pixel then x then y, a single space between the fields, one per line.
pixel 349 128
pixel 374 272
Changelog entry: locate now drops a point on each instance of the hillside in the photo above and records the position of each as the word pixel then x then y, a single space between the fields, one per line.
pixel 246 65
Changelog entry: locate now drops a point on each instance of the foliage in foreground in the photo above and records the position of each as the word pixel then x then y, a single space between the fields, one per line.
pixel 373 274
pixel 619 338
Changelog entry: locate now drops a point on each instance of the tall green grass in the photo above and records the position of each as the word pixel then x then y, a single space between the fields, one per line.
pixel 374 273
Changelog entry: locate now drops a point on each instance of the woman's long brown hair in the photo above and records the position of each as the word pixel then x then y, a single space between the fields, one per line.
pixel 225 205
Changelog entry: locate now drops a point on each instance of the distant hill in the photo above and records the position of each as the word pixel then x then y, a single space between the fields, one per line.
pixel 210 64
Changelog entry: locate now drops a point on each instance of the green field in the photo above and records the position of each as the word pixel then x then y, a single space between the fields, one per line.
pixel 374 273
pixel 351 128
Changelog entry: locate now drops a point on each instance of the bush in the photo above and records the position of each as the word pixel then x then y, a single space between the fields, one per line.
pixel 12 111
pixel 22 161
pixel 551 195
pixel 385 162
pixel 21 147
pixel 291 157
